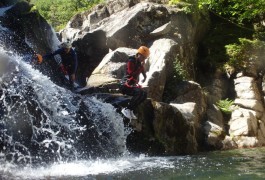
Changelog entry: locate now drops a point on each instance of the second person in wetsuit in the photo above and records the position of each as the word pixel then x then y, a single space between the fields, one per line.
pixel 69 61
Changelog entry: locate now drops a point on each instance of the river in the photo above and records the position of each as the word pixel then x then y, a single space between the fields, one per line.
pixel 232 164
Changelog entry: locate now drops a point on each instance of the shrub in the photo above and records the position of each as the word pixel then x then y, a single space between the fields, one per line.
pixel 225 105
pixel 179 74
pixel 244 53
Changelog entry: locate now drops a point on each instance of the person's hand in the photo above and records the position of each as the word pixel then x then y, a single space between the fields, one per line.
pixel 138 86
pixel 63 69
pixel 73 77
pixel 37 58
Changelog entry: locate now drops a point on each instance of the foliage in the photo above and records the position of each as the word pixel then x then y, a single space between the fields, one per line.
pixel 213 53
pixel 225 105
pixel 245 52
pixel 243 13
pixel 59 12
pixel 179 74
pixel 188 6
pixel 237 10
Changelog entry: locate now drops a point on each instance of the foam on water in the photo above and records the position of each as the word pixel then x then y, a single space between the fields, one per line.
pixel 92 167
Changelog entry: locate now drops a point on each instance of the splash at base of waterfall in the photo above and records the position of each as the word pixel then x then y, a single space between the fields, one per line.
pixel 89 168
pixel 234 164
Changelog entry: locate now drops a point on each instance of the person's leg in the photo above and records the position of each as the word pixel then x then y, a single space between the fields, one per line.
pixel 142 96
pixel 71 81
pixel 71 77
pixel 126 111
pixel 139 96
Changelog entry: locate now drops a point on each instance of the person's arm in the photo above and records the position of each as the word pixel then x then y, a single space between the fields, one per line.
pixel 75 60
pixel 48 56
pixel 144 74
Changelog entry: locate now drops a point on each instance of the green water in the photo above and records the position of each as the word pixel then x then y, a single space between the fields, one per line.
pixel 219 165
pixel 240 164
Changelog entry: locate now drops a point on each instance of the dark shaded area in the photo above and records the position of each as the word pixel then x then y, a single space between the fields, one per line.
pixel 212 52
pixel 90 51
pixel 4 3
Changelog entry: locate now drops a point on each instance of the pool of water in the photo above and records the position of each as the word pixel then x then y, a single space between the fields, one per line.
pixel 233 164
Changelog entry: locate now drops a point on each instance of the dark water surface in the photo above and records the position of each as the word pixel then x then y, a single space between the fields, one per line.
pixel 224 165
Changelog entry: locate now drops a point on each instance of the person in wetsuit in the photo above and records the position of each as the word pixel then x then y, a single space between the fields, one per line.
pixel 69 61
pixel 129 83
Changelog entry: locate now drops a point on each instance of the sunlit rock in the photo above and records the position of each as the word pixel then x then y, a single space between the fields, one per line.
pixel 215 135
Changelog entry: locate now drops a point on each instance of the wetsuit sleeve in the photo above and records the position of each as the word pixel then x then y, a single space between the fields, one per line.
pixel 48 56
pixel 130 68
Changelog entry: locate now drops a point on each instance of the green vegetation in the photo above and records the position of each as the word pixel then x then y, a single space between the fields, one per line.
pixel 179 74
pixel 237 11
pixel 59 12
pixel 188 6
pixel 242 54
pixel 213 52
pixel 225 105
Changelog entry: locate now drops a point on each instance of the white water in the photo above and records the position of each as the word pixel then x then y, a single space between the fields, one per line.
pixel 3 10
pixel 91 167
pixel 57 105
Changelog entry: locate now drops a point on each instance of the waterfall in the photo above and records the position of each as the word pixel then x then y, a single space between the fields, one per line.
pixel 39 118
pixel 43 123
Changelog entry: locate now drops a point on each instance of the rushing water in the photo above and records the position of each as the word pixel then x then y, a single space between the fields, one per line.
pixel 230 165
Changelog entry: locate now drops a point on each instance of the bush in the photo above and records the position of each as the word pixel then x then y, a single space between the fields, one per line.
pixel 226 106
pixel 179 74
pixel 244 53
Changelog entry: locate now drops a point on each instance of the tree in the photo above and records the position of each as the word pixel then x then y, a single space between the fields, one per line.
pixel 238 11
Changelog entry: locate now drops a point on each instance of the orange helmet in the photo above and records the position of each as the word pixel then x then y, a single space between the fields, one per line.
pixel 143 50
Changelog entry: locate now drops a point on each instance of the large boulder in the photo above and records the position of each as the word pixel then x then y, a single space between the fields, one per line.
pixel 159 67
pixel 111 69
pixel 174 130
